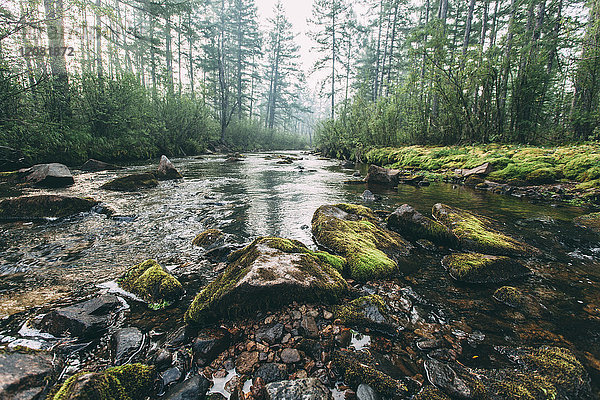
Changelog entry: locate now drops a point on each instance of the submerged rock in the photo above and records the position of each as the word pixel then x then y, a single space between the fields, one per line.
pixel 152 283
pixel 382 176
pixel 126 342
pixel 90 318
pixel 481 268
pixel 269 272
pixel 413 225
pixel 132 381
pixel 132 182
pixel 53 175
pixel 478 233
pixel 208 238
pixel 589 221
pixel 525 303
pixel 299 389
pixel 166 170
pixel 44 206
pixel 92 165
pixel 194 388
pixel 353 232
pixel 26 375
pixel 368 312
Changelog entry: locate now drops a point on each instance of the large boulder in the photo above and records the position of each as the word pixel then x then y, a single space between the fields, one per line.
pixel 479 233
pixel 269 272
pixel 481 268
pixel 299 389
pixel 382 176
pixel 53 175
pixel 86 319
pixel 152 283
pixel 413 225
pixel 92 165
pixel 26 375
pixel 43 206
pixel 166 170
pixel 353 232
pixel 132 183
pixel 131 381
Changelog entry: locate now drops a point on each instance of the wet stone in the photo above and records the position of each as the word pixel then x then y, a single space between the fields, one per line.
pixel 309 327
pixel 290 356
pixel 271 372
pixel 246 361
pixel 300 389
pixel 126 342
pixel 192 389
pixel 24 376
pixel 366 392
pixel 443 376
pixel 270 334
pixel 209 344
pixel 171 376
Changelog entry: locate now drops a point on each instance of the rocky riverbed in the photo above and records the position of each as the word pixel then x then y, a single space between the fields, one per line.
pixel 268 278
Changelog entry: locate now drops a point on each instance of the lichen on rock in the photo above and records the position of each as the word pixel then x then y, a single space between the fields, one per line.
pixel 478 233
pixel 127 382
pixel 152 283
pixel 481 268
pixel 268 273
pixel 353 232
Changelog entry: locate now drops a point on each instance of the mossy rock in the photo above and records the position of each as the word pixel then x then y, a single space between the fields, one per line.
pixel 525 303
pixel 431 393
pixel 474 180
pixel 127 382
pixel 481 268
pixel 478 233
pixel 367 312
pixel 589 221
pixel 208 238
pixel 353 232
pixel 43 206
pixel 360 367
pixel 542 176
pixel 411 224
pixel 268 273
pixel 152 283
pixel 132 182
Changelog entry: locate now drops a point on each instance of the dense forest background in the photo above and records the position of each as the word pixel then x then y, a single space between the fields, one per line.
pixel 130 79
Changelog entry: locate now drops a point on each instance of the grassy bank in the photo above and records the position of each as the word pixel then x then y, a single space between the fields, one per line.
pixel 517 165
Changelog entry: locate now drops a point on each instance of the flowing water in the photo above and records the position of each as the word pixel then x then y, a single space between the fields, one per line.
pixel 40 262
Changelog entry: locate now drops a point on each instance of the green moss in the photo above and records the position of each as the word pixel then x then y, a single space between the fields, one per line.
pixel 477 233
pixel 224 297
pixel 44 206
pixel 543 175
pixel 480 268
pixel 522 386
pixel 359 367
pixel 207 238
pixel 127 382
pixel 558 365
pixel 589 221
pixel 578 166
pixel 152 283
pixel 132 182
pixel 593 184
pixel 351 231
pixel 510 296
pixel 431 393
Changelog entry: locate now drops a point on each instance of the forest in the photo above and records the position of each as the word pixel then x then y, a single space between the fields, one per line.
pixel 132 79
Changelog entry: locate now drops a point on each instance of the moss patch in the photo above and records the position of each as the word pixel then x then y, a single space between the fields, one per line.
pixel 43 206
pixel 207 238
pixel 152 283
pixel 478 233
pixel 431 393
pixel 589 221
pixel 353 232
pixel 127 382
pixel 480 268
pixel 268 273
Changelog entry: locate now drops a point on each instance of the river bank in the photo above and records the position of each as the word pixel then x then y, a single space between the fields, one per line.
pixel 395 330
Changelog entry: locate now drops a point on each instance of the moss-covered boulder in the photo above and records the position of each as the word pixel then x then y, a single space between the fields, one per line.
pixel 208 238
pixel 524 303
pixel 481 268
pixel 43 206
pixel 368 312
pixel 479 233
pixel 127 382
pixel 152 283
pixel 353 232
pixel 413 225
pixel 268 273
pixel 132 183
pixel 589 221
